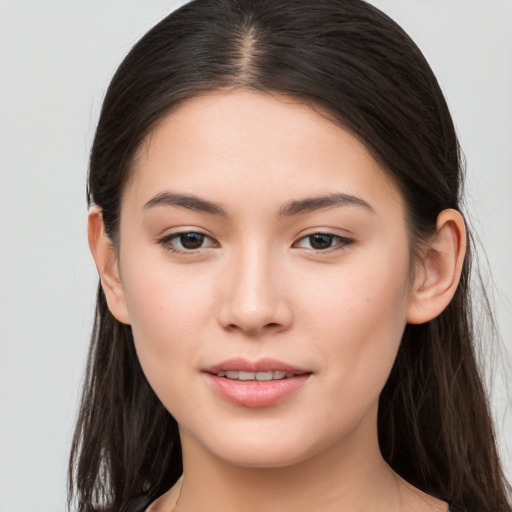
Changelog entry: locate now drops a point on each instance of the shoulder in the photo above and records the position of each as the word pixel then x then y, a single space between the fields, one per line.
pixel 141 503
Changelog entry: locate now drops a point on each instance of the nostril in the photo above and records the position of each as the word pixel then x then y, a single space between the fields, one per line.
pixel 255 317
pixel 253 329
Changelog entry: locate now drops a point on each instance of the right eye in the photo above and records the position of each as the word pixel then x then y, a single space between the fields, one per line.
pixel 187 242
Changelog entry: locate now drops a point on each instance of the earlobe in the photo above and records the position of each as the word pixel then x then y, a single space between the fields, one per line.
pixel 106 260
pixel 439 271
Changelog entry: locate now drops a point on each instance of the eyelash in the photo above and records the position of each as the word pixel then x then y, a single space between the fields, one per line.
pixel 167 242
pixel 342 242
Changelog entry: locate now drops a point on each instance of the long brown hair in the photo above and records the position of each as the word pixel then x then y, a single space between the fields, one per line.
pixel 352 61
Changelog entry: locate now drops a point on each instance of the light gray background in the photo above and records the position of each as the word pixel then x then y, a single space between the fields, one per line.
pixel 56 58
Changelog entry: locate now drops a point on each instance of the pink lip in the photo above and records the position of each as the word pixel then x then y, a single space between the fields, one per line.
pixel 262 365
pixel 256 393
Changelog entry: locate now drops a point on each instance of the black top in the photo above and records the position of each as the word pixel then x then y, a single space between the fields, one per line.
pixel 141 503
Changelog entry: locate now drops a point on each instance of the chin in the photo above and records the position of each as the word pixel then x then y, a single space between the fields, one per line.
pixel 263 457
pixel 268 450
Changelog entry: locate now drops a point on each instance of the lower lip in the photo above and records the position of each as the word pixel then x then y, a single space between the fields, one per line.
pixel 254 393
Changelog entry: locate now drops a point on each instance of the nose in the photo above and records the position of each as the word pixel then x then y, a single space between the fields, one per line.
pixel 254 298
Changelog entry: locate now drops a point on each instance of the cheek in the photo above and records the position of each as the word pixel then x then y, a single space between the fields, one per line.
pixel 370 291
pixel 168 308
pixel 359 316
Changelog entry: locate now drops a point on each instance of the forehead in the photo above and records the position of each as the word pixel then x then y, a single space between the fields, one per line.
pixel 254 145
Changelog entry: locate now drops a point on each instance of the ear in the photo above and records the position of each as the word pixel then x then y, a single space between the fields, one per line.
pixel 107 263
pixel 437 274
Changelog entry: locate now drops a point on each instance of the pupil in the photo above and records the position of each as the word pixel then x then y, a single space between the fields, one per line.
pixel 320 241
pixel 192 240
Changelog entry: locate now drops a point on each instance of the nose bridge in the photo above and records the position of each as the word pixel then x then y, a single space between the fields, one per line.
pixel 253 298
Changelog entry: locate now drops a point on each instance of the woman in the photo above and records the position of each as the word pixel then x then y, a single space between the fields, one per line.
pixel 283 319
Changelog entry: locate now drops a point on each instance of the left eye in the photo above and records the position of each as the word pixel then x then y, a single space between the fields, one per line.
pixel 187 241
pixel 323 241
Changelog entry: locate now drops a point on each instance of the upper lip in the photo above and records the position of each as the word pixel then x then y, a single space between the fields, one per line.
pixel 262 365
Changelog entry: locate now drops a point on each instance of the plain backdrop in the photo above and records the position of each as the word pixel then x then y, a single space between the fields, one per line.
pixel 56 58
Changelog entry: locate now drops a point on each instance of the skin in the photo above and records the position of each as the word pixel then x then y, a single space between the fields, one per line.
pixel 257 288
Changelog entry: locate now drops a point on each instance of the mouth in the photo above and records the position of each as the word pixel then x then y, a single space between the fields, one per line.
pixel 258 376
pixel 256 384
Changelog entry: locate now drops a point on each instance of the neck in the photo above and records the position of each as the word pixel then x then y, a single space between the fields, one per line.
pixel 349 475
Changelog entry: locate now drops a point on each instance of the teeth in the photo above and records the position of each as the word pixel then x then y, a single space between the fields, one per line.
pixel 264 376
pixel 261 376
pixel 279 375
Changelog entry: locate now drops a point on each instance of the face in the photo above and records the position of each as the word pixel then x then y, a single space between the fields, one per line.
pixel 258 240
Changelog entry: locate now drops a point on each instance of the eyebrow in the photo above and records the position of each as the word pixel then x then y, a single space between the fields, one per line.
pixel 186 201
pixel 311 204
pixel 291 208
